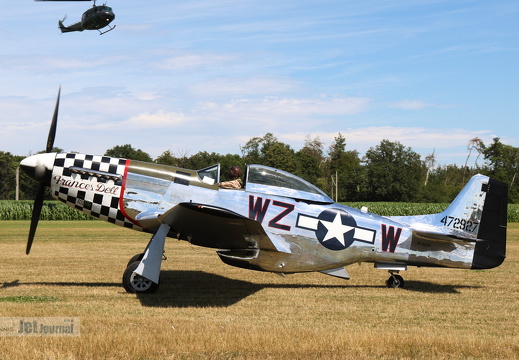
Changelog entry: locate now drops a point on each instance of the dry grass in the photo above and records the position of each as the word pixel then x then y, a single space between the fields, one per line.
pixel 206 309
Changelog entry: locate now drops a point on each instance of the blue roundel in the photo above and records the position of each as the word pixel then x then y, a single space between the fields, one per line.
pixel 335 229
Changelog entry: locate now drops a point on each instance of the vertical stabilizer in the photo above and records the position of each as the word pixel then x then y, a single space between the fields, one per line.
pixel 490 248
pixel 479 212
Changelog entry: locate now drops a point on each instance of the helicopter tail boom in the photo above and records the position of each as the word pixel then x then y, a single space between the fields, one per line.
pixel 73 27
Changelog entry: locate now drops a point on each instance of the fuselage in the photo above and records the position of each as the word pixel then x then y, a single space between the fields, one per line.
pixel 97 17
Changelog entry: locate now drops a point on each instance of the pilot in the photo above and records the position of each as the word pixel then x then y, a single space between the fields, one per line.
pixel 235 182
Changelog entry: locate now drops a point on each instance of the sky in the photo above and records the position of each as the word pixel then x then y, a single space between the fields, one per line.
pixel 209 75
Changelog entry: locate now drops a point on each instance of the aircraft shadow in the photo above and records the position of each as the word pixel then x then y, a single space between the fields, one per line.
pixel 201 289
pixel 427 287
pixel 179 288
pixel 85 284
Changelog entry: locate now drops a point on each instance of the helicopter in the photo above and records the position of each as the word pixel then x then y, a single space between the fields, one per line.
pixel 95 18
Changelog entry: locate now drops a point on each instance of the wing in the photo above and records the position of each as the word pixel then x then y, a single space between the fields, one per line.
pixel 216 227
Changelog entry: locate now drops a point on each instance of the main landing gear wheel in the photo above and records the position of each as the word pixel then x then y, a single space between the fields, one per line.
pixel 137 284
pixel 395 281
pixel 135 258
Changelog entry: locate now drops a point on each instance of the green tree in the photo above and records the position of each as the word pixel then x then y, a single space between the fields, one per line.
pixel 9 164
pixel 394 172
pixel 345 168
pixel 203 159
pixel 167 158
pixel 474 144
pixel 310 159
pixel 281 156
pixel 443 184
pixel 502 165
pixel 128 152
pixel 254 150
pixel 268 150
pixel 7 176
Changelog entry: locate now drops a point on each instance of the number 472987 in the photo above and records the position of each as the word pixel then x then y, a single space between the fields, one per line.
pixel 459 224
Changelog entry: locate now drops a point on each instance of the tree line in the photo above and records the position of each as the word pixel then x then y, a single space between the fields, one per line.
pixel 389 171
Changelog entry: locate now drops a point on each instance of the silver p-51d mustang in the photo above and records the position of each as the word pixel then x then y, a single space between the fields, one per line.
pixel 277 222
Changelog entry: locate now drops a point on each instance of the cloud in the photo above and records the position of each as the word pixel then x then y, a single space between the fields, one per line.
pixel 258 85
pixel 37 63
pixel 277 112
pixel 415 137
pixel 182 60
pixel 411 105
pixel 160 119
pixel 147 96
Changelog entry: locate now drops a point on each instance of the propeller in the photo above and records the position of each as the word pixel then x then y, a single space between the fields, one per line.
pixel 38 169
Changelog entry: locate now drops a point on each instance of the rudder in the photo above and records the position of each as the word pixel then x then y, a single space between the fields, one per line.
pixel 490 250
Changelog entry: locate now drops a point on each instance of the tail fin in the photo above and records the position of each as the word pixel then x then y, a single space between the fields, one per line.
pixel 61 26
pixel 480 212
pixel 490 248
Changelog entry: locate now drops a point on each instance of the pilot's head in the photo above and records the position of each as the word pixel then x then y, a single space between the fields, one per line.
pixel 235 172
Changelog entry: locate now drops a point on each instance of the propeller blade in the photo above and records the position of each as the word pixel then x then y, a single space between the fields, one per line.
pixel 36 211
pixel 38 202
pixel 53 124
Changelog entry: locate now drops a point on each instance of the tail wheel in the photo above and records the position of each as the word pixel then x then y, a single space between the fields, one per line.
pixel 395 281
pixel 135 283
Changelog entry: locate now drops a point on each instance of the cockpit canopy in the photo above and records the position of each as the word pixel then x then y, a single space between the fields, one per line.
pixel 271 181
pixel 267 180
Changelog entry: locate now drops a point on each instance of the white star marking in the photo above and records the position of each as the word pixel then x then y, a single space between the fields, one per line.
pixel 336 229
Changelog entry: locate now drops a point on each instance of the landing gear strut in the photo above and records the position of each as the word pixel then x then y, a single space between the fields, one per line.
pixel 395 280
pixel 143 271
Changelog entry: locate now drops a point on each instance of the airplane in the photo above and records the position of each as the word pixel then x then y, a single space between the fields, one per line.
pixel 277 222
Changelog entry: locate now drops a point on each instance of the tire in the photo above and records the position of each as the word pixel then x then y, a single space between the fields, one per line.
pixel 137 284
pixel 395 281
pixel 135 258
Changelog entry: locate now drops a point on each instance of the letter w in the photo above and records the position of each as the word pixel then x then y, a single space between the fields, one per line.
pixel 389 238
pixel 257 210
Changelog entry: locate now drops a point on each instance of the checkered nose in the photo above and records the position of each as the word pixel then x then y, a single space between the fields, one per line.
pixel 39 167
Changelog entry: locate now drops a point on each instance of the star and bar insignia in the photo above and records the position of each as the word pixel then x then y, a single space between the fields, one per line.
pixel 336 229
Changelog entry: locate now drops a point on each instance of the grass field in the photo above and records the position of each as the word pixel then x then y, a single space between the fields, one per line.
pixel 206 309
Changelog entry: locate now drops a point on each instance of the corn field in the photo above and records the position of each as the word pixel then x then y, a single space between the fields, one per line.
pixel 51 210
pixel 407 209
pixel 399 208
pixel 55 210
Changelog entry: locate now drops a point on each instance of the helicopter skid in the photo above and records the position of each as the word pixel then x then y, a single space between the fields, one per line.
pixel 104 32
